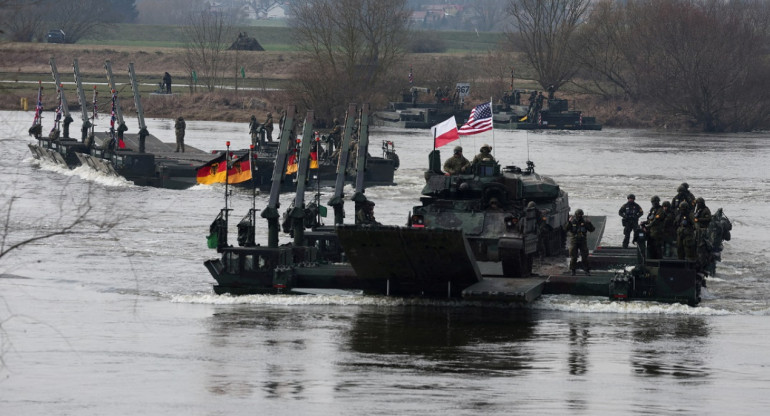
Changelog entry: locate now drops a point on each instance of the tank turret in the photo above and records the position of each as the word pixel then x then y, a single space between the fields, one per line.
pixel 492 205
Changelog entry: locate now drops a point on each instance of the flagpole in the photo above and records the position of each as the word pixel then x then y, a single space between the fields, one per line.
pixel 494 146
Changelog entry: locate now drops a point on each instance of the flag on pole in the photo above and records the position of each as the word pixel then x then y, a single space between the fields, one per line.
pixel 411 76
pixel 39 106
pixel 240 171
pixel 293 164
pixel 479 121
pixel 445 132
pixel 214 171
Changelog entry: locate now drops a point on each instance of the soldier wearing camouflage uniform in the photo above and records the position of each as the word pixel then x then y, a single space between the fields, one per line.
pixel 179 128
pixel 683 194
pixel 702 214
pixel 578 228
pixel 269 126
pixel 457 164
pixel 669 230
pixel 685 233
pixel 630 212
pixel 655 226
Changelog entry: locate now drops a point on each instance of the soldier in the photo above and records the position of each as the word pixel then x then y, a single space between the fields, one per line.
pixel 655 226
pixel 457 164
pixel 179 128
pixel 254 129
pixel 494 205
pixel 335 135
pixel 484 155
pixel 167 82
pixel 365 214
pixel 702 214
pixel 269 126
pixel 669 230
pixel 685 233
pixel 682 194
pixel 542 227
pixel 630 212
pixel 578 228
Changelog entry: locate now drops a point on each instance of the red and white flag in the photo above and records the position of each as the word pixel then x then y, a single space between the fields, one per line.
pixel 445 132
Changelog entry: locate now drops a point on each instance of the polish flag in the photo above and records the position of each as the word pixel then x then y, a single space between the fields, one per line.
pixel 445 132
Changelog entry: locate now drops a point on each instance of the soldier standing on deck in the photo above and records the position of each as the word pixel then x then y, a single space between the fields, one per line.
pixel 669 230
pixel 254 130
pixel 179 128
pixel 269 126
pixel 630 212
pixel 685 233
pixel 655 226
pixel 702 214
pixel 578 228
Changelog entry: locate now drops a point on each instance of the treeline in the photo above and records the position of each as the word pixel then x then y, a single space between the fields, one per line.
pixel 703 60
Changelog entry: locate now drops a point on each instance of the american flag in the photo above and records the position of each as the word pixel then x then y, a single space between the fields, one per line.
pixel 479 121
pixel 411 76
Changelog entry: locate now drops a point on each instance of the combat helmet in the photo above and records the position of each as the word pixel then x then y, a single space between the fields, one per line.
pixel 685 185
pixel 578 212
pixel 684 206
pixel 486 148
pixel 631 196
pixel 531 204
pixel 699 201
pixel 458 149
pixel 681 188
pixel 655 199
pixel 666 204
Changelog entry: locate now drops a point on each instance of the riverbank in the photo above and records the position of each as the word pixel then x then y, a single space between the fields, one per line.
pixel 258 90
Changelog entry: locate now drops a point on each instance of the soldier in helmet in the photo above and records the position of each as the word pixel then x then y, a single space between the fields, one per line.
pixel 685 233
pixel 669 229
pixel 179 128
pixel 630 212
pixel 457 164
pixel 683 194
pixel 655 226
pixel 702 214
pixel 365 215
pixel 542 227
pixel 485 154
pixel 335 136
pixel 254 129
pixel 269 126
pixel 578 228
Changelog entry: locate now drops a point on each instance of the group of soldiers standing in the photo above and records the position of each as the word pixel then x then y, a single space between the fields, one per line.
pixel 669 226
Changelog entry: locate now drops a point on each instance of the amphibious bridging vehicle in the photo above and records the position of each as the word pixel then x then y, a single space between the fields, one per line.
pixel 457 244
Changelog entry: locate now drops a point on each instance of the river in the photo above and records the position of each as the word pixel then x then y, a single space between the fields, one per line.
pixel 127 322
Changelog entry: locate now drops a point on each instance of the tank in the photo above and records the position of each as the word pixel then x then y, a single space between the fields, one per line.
pixel 508 214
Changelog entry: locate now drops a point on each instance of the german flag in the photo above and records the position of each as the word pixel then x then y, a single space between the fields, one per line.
pixel 213 172
pixel 240 171
pixel 293 165
pixel 313 160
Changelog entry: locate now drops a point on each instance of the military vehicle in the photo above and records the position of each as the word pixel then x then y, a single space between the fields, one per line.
pixel 410 113
pixel 141 158
pixel 512 114
pixel 474 236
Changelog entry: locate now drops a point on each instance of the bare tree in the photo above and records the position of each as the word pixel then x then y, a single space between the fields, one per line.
pixel 485 15
pixel 546 32
pixel 351 45
pixel 76 218
pixel 207 37
pixel 704 60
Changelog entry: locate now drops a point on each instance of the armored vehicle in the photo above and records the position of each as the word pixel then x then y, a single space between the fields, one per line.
pixel 508 214
pixel 512 114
